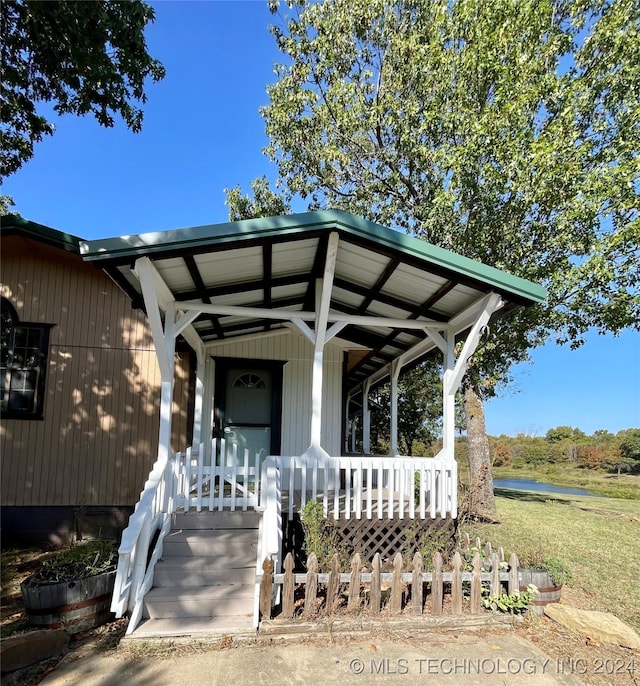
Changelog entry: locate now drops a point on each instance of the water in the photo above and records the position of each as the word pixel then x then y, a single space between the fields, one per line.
pixel 531 485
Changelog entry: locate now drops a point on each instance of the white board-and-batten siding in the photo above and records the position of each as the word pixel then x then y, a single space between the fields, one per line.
pixel 297 351
pixel 98 438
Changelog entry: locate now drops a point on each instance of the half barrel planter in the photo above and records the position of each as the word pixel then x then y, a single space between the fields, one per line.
pixel 548 591
pixel 71 605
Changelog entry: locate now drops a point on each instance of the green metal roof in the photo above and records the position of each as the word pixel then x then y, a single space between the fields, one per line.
pixel 202 238
pixel 17 225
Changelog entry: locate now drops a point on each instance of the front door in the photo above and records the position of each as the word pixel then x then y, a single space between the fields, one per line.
pixel 248 406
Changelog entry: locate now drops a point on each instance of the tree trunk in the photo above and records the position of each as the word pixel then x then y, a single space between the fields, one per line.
pixel 482 499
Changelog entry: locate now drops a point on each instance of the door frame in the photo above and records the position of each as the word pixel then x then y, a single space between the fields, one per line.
pixel 222 367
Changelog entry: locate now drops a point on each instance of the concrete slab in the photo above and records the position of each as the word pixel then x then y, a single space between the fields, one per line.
pixel 438 658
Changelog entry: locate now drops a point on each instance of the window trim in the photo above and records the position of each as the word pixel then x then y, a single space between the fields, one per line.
pixel 37 413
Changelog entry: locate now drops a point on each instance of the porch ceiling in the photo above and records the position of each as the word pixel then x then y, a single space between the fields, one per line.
pixel 273 263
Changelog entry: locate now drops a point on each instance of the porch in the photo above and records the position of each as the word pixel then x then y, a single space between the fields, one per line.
pixel 380 488
pixel 306 314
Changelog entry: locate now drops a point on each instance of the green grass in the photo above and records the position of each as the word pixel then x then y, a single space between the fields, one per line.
pixel 597 539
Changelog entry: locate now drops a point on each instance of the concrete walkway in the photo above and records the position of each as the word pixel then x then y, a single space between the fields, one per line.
pixel 476 658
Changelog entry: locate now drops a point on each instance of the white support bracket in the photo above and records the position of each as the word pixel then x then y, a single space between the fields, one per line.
pixel 490 304
pixel 146 273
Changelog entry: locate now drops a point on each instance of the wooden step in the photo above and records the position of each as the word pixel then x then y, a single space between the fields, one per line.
pixel 185 572
pixel 193 626
pixel 205 581
pixel 206 601
pixel 215 520
pixel 189 542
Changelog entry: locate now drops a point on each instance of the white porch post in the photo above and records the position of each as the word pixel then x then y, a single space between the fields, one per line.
pixel 207 406
pixel 366 418
pixel 322 315
pixel 448 398
pixel 478 317
pixel 396 366
pixel 166 399
pixel 198 400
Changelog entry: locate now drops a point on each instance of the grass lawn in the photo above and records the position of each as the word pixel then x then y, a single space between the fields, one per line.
pixel 598 539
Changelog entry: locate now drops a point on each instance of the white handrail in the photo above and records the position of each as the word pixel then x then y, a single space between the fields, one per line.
pixel 159 494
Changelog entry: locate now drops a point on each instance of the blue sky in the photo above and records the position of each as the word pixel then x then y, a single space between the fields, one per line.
pixel 202 133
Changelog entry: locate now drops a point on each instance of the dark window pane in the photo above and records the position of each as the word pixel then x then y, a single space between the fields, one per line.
pixel 21 400
pixel 33 338
pixel 22 336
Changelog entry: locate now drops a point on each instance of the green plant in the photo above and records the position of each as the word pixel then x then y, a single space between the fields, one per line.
pixel 514 603
pixel 320 536
pixel 536 559
pixel 557 571
pixel 427 543
pixel 78 561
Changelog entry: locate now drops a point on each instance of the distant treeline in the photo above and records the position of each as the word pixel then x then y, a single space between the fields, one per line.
pixel 602 451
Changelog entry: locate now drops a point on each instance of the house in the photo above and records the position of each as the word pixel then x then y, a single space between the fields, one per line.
pixel 290 318
pixel 80 391
pixel 290 321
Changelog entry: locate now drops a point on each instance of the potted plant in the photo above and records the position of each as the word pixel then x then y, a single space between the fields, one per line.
pixel 73 587
pixel 547 574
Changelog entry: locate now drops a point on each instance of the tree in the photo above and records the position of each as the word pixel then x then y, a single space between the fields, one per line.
pixel 82 56
pixel 265 202
pixel 630 448
pixel 505 131
pixel 419 399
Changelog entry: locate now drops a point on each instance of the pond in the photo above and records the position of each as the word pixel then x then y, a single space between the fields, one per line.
pixel 541 486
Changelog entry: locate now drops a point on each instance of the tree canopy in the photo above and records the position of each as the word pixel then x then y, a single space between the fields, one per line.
pixel 505 131
pixel 86 57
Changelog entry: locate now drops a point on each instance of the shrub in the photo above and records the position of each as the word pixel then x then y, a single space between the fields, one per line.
pixel 320 535
pixel 77 562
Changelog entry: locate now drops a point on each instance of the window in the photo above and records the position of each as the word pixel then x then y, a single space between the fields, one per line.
pixel 249 380
pixel 23 363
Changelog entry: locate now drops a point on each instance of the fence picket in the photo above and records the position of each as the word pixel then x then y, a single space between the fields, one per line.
pixel 495 575
pixel 396 585
pixel 456 584
pixel 288 587
pixel 417 587
pixel 354 583
pixel 311 590
pixel 476 583
pixel 266 587
pixel 375 593
pixel 514 582
pixel 437 590
pixel 333 584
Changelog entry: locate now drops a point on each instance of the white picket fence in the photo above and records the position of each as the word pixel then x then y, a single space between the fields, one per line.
pixel 225 478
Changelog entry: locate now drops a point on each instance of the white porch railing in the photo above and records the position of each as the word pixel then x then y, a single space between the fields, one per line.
pixel 224 479
pixel 357 487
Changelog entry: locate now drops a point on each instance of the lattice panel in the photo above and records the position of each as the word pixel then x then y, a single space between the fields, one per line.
pixel 386 536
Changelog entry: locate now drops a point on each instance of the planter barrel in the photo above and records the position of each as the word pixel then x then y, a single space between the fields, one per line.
pixel 71 605
pixel 548 592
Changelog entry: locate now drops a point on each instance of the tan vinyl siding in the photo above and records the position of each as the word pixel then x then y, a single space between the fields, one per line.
pixel 98 438
pixel 296 402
